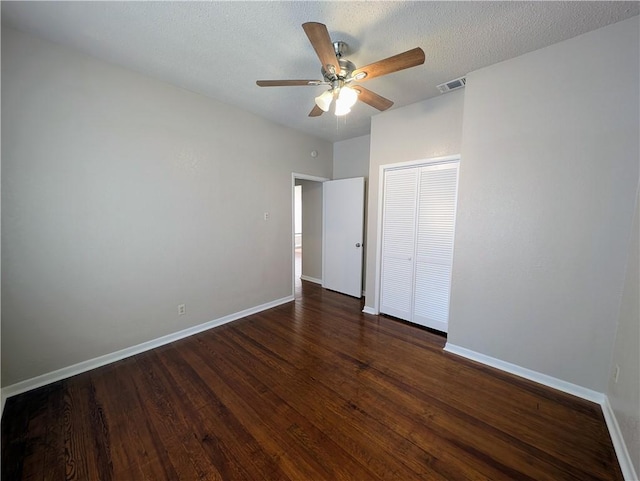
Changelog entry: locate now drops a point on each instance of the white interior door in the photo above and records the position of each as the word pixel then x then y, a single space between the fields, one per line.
pixel 418 225
pixel 398 242
pixel 343 216
pixel 434 245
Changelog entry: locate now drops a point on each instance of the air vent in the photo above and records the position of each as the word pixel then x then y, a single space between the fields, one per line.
pixel 452 85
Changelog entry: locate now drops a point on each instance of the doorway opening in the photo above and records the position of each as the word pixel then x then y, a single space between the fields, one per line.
pixel 306 230
pixel 297 237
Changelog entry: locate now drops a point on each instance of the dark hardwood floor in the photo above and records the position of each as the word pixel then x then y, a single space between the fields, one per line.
pixel 311 390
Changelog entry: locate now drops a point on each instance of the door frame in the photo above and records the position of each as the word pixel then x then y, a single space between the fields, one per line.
pixel 298 176
pixel 381 174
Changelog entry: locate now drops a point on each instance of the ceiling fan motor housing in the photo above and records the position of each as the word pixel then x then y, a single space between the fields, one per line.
pixel 340 48
pixel 346 67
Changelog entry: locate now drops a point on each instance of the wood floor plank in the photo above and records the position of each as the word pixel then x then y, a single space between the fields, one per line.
pixel 518 424
pixel 419 462
pixel 372 400
pixel 358 373
pixel 310 390
pixel 164 418
pixel 354 366
pixel 256 409
pixel 133 451
pixel 342 465
pixel 229 431
pixel 81 450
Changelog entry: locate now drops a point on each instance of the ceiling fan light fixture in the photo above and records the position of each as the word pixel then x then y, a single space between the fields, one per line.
pixel 324 100
pixel 341 109
pixel 347 97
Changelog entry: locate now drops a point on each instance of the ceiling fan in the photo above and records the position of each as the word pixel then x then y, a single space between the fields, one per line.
pixel 340 74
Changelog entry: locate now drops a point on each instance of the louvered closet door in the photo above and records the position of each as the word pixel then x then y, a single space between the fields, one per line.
pixel 434 246
pixel 398 242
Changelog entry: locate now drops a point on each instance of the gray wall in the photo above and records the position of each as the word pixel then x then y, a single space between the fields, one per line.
pixel 432 128
pixel 311 229
pixel 547 191
pixel 624 395
pixel 351 158
pixel 123 197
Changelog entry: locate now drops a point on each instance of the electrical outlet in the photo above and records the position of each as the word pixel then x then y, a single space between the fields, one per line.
pixel 266 216
pixel 616 373
pixel 182 309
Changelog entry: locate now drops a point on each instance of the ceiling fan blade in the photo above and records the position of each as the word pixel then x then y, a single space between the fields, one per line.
pixel 408 59
pixel 321 42
pixel 372 98
pixel 287 83
pixel 316 111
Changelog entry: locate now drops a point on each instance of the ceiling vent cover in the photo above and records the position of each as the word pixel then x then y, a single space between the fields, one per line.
pixel 454 84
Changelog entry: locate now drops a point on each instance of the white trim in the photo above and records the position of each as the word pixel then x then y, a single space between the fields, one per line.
pixel 620 447
pixel 370 310
pixel 315 178
pixel 311 279
pixel 549 381
pixel 418 162
pixel 57 375
pixel 376 292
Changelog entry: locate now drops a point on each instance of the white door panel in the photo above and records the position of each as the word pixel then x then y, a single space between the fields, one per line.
pixel 398 242
pixel 434 245
pixel 397 287
pixel 343 235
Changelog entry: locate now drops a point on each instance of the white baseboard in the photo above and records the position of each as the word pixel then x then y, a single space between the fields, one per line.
pixel 624 458
pixel 619 445
pixel 59 374
pixel 370 310
pixel 549 381
pixel 311 279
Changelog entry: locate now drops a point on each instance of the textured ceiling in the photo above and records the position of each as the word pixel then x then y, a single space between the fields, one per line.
pixel 220 49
